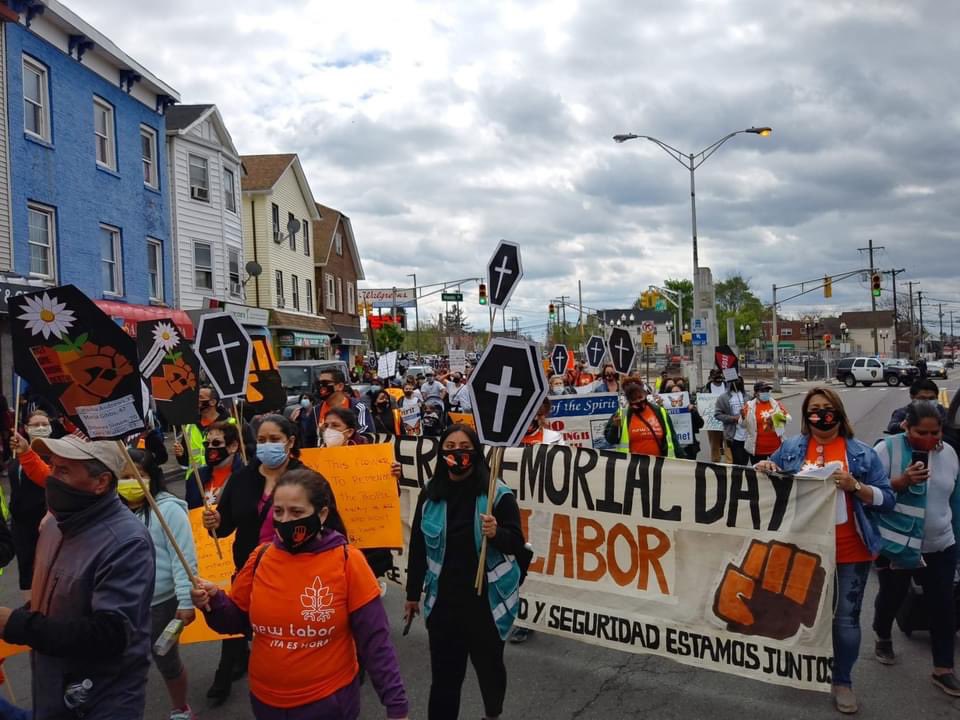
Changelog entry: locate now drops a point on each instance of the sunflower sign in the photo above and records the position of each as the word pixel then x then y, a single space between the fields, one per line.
pixel 72 353
pixel 170 368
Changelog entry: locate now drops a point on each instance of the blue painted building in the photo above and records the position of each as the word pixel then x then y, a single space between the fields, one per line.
pixel 88 177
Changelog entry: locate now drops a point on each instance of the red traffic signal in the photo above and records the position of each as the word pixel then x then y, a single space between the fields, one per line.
pixel 827 339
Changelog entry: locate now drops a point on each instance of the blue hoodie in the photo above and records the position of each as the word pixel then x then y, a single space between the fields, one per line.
pixel 171 579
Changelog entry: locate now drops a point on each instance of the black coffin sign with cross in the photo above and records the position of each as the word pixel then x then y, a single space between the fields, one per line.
pixel 223 349
pixel 559 359
pixel 622 351
pixel 595 351
pixel 507 388
pixel 504 272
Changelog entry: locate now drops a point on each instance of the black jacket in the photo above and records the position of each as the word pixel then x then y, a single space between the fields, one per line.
pixel 238 509
pixel 28 505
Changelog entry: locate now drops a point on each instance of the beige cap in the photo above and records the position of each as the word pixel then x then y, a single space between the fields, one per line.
pixel 73 448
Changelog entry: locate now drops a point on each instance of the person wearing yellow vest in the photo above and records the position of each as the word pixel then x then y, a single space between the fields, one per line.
pixel 210 411
pixel 641 428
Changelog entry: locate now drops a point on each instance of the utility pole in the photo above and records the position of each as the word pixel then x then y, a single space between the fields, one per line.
pixel 562 315
pixel 913 337
pixel 896 317
pixel 873 300
pixel 923 343
pixel 580 296
pixel 940 312
pixel 776 343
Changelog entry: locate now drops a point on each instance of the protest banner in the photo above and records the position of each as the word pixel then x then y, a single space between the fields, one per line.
pixel 678 406
pixel 458 361
pixel 395 393
pixel 462 418
pixel 714 566
pixel 365 489
pixel 707 405
pixel 582 417
pixel 210 567
pixel 410 417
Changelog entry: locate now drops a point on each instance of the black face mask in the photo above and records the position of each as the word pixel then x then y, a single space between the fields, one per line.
pixel 324 390
pixel 638 405
pixel 824 420
pixel 297 534
pixel 65 501
pixel 214 455
pixel 458 461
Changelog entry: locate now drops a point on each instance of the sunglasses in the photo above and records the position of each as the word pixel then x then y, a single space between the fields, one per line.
pixel 214 443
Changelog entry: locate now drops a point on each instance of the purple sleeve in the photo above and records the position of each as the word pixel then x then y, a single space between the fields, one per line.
pixel 371 632
pixel 225 617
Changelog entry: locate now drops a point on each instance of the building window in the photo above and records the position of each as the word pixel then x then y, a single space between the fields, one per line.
pixel 339 295
pixel 330 292
pixel 36 100
pixel 338 243
pixel 155 268
pixel 295 289
pixel 199 179
pixel 306 237
pixel 786 332
pixel 103 129
pixel 42 225
pixel 275 217
pixel 293 236
pixel 148 149
pixel 309 293
pixel 202 266
pixel 281 302
pixel 233 260
pixel 351 299
pixel 111 260
pixel 229 190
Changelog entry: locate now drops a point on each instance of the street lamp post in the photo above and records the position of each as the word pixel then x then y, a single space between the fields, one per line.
pixel 884 334
pixel 416 311
pixel 691 161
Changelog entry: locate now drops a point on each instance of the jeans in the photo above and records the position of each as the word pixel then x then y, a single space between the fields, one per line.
pixel 848 590
pixel 936 579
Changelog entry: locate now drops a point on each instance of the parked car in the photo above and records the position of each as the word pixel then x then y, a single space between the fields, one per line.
pixel 898 371
pixel 298 376
pixel 936 369
pixel 417 370
pixel 865 370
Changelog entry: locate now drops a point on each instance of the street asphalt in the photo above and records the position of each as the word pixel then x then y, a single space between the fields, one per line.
pixel 552 678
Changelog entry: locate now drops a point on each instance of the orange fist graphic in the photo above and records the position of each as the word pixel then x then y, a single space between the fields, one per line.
pixel 95 375
pixel 776 591
pixel 176 379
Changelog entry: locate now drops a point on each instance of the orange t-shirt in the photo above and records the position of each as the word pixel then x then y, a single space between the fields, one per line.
pixel 299 608
pixel 767 439
pixel 217 481
pixel 325 408
pixel 642 440
pixel 850 547
pixel 533 438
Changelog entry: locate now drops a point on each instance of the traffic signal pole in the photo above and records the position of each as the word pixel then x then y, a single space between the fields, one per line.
pixel 873 297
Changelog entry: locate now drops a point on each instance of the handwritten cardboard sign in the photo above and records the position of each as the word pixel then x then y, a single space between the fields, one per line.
pixel 209 567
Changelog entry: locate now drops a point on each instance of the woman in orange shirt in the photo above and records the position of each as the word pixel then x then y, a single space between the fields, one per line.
pixel 861 481
pixel 314 608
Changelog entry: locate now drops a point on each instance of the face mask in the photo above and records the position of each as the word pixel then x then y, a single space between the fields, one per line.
pixel 638 405
pixel 764 396
pixel 333 438
pixel 383 403
pixel 296 534
pixel 324 390
pixel 40 431
pixel 926 442
pixel 408 393
pixel 65 501
pixel 556 390
pixel 214 455
pixel 130 490
pixel 273 455
pixel 206 405
pixel 609 378
pixel 305 403
pixel 459 461
pixel 824 420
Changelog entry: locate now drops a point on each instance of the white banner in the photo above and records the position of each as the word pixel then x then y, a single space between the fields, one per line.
pixel 713 566
pixel 678 406
pixel 582 417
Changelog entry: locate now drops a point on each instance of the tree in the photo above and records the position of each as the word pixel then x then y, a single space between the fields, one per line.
pixel 735 299
pixel 685 288
pixel 389 337
pixel 455 321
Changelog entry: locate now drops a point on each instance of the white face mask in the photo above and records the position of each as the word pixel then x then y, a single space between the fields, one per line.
pixel 40 431
pixel 333 438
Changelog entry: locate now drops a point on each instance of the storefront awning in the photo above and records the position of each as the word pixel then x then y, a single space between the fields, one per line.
pixel 289 338
pixel 127 316
pixel 347 335
pixel 300 323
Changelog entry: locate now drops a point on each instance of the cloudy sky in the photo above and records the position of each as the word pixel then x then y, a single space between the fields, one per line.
pixel 441 127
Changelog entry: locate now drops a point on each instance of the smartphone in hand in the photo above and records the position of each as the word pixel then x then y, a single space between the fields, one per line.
pixel 920 456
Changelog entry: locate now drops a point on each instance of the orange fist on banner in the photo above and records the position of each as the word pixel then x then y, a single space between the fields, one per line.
pixel 776 591
pixel 95 375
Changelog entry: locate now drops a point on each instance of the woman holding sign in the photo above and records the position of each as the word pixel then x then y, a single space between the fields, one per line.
pixel 827 438
pixel 315 610
pixel 445 540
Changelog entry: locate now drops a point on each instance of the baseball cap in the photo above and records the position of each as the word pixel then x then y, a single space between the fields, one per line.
pixel 73 448
pixel 762 386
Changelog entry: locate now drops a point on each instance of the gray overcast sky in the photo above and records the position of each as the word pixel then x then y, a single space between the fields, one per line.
pixel 441 127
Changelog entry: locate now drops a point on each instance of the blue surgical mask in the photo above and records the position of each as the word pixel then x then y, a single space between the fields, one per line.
pixel 272 455
pixel 764 396
pixel 304 403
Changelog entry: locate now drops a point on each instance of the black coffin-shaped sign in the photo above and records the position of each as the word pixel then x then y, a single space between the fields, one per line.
pixel 559 359
pixel 72 353
pixel 622 351
pixel 503 273
pixel 223 349
pixel 170 369
pixel 595 351
pixel 507 388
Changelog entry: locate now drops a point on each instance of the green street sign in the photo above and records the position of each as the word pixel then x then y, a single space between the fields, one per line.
pixel 451 297
pixel 660 306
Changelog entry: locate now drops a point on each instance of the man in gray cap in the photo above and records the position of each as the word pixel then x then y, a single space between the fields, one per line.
pixel 88 619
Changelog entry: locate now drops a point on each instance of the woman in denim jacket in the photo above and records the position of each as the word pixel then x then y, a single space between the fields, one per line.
pixel 862 488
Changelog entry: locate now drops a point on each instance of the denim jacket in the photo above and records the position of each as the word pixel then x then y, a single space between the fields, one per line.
pixel 864 464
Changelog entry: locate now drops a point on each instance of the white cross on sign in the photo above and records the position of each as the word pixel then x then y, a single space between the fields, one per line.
pixel 501 271
pixel 222 349
pixel 503 391
pixel 622 349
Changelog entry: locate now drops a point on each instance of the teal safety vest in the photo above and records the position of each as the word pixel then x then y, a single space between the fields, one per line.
pixel 624 445
pixel 902 528
pixel 503 571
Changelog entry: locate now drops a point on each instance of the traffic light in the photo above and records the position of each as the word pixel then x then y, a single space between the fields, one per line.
pixel 827 286
pixel 483 293
pixel 875 284
pixel 827 340
pixel 553 311
pixel 646 299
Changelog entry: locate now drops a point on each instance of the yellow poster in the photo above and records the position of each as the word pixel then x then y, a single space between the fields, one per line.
pixel 463 419
pixel 367 494
pixel 209 567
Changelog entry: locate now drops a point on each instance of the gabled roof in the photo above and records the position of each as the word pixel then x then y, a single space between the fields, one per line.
pixel 324 231
pixel 181 117
pixel 261 173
